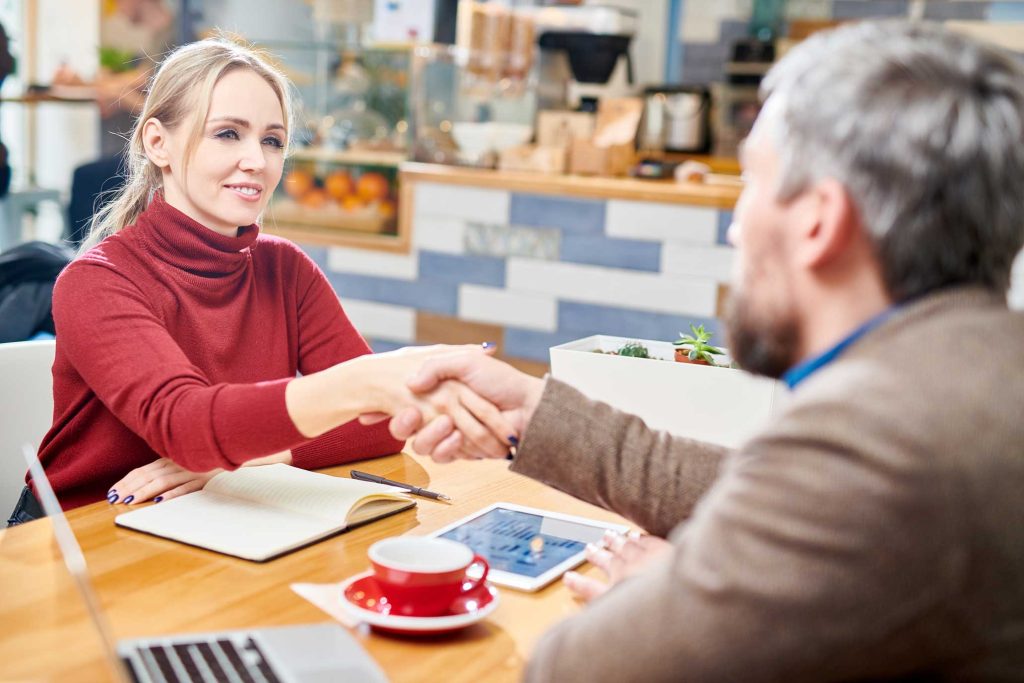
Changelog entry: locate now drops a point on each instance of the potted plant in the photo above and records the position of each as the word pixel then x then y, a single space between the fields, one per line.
pixel 694 348
pixel 724 406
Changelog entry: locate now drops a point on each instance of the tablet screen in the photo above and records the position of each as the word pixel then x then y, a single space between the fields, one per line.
pixel 523 543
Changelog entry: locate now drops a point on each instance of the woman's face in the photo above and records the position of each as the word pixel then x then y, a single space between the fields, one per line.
pixel 238 161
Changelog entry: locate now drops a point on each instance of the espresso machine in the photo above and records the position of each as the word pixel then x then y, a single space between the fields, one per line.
pixel 584 55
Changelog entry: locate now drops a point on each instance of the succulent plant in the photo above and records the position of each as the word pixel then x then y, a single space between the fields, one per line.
pixel 634 349
pixel 696 345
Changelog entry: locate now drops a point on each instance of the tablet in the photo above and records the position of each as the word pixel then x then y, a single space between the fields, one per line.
pixel 527 548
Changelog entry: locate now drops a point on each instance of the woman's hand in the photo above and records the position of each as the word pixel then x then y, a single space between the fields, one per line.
pixel 619 556
pixel 161 479
pixel 164 479
pixel 375 386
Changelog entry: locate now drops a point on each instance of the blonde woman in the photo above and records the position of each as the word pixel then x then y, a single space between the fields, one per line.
pixel 180 334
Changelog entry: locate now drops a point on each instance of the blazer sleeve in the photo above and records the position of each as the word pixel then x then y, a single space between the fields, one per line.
pixel 809 559
pixel 612 459
pixel 326 338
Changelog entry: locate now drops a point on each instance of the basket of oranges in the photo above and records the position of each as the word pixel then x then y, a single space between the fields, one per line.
pixel 341 198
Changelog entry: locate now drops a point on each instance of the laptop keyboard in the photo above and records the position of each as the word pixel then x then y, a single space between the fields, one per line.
pixel 212 660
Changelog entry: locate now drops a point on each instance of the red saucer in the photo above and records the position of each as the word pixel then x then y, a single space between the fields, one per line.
pixel 362 595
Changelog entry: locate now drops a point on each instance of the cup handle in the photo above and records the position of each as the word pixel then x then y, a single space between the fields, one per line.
pixel 470 584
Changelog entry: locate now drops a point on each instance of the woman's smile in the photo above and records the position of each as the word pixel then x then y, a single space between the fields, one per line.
pixel 250 192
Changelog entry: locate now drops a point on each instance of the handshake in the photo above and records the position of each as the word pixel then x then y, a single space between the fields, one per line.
pixel 455 402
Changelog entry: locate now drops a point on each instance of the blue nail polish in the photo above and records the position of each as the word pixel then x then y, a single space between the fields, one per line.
pixel 111 491
pixel 112 498
pixel 488 345
pixel 158 499
pixel 129 499
pixel 514 440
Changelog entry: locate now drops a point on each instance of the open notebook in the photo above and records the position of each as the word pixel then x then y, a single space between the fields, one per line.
pixel 258 513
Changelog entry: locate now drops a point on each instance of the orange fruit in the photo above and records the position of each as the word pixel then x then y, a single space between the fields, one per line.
pixel 352 203
pixel 315 198
pixel 298 182
pixel 339 184
pixel 372 187
pixel 386 208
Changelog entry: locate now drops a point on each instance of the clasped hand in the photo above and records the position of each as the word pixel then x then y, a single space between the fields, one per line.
pixel 456 397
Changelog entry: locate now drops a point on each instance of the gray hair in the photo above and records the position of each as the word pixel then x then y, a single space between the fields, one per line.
pixel 925 129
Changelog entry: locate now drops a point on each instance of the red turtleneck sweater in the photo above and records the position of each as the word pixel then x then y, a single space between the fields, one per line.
pixel 174 340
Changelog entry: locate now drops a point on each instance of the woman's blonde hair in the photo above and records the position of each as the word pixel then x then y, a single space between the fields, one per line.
pixel 179 93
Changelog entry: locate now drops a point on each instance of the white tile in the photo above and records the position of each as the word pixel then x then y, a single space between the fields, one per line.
pixel 439 233
pixel 614 287
pixel 381 321
pixel 699 29
pixel 504 307
pixel 702 19
pixel 364 262
pixel 662 222
pixel 456 201
pixel 711 262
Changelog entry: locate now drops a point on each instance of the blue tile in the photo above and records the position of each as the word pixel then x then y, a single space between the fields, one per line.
pixel 318 254
pixel 708 53
pixel 702 74
pixel 533 345
pixel 732 30
pixel 571 215
pixel 480 270
pixel 867 9
pixel 946 10
pixel 606 251
pixel 439 297
pixel 1006 11
pixel 724 221
pixel 584 320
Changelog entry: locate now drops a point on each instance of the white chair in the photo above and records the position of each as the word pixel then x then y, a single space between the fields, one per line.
pixel 12 211
pixel 26 411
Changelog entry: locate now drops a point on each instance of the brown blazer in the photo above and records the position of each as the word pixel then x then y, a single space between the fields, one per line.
pixel 874 531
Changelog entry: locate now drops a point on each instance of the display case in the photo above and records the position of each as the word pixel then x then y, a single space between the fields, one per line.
pixel 340 182
pixel 464 117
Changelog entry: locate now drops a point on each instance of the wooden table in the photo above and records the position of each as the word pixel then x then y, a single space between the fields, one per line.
pixel 150 586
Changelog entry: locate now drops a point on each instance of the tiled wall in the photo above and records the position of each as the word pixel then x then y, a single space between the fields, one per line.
pixel 530 271
pixel 708 28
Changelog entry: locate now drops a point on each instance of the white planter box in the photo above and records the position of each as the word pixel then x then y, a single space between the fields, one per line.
pixel 719 405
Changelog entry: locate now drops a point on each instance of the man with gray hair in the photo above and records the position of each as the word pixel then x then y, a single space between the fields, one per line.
pixel 876 529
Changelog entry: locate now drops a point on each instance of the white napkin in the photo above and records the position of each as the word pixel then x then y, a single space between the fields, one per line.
pixel 326 596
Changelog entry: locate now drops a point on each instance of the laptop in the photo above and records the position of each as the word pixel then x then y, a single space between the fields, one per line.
pixel 289 654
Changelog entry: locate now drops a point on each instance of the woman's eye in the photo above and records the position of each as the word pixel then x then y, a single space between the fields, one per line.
pixel 273 142
pixel 227 134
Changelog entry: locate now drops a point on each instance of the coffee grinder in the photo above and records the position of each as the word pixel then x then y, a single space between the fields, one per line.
pixel 584 55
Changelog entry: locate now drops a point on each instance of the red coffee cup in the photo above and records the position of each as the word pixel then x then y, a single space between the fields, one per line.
pixel 422 577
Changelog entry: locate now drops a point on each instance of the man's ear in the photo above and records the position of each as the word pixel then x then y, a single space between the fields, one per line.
pixel 156 143
pixel 831 222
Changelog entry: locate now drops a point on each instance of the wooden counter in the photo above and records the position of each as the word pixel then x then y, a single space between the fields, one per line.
pixel 664 191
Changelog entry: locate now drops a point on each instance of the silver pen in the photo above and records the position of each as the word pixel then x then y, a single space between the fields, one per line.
pixel 414 490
